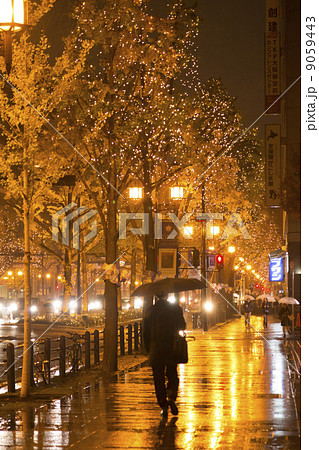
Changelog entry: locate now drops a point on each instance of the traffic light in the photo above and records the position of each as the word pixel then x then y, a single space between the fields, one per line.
pixel 195 258
pixel 257 286
pixel 219 262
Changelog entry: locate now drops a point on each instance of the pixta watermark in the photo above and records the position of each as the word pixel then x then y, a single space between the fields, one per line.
pixel 234 226
pixel 63 220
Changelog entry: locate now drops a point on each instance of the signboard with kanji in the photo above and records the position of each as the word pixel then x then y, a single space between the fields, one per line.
pixel 273 165
pixel 276 269
pixel 272 58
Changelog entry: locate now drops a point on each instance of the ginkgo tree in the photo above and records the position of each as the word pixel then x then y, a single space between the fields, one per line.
pixel 114 109
pixel 24 163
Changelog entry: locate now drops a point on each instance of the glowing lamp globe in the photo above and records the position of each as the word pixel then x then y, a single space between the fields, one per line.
pixel 13 18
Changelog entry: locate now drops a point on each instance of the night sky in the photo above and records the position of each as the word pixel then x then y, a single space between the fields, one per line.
pixel 231 47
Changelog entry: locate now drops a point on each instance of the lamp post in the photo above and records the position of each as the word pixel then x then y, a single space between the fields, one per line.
pixel 13 18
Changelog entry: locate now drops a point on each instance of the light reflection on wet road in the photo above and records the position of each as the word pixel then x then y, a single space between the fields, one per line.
pixel 234 394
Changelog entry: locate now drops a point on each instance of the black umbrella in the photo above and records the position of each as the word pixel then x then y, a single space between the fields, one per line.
pixel 168 286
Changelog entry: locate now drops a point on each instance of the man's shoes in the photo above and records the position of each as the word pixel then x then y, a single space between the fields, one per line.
pixel 173 407
pixel 164 413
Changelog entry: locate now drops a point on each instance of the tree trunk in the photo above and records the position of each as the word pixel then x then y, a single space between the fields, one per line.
pixel 133 276
pixel 110 333
pixel 110 294
pixel 25 381
pixel 85 283
pixel 149 241
pixel 110 300
pixel 68 283
pixel 78 285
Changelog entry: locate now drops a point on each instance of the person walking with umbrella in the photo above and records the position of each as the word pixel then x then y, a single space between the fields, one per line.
pixel 284 313
pixel 265 307
pixel 162 322
pixel 248 306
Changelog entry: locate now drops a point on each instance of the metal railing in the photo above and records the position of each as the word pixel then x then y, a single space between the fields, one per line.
pixel 56 357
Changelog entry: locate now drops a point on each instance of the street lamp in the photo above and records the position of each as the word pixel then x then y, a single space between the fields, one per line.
pixel 231 249
pixel 214 230
pixel 13 18
pixel 177 192
pixel 135 192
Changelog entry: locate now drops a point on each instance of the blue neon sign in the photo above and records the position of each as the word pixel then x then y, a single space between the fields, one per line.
pixel 276 269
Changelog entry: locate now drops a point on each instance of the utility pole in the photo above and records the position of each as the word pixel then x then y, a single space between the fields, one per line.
pixel 203 265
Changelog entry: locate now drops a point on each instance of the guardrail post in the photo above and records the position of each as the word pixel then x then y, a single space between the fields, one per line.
pixel 11 368
pixel 122 341
pixel 47 356
pixel 129 339
pixel 135 326
pixel 87 349
pixel 96 347
pixel 62 357
pixel 32 382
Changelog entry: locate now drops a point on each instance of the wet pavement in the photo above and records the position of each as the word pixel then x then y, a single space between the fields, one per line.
pixel 234 394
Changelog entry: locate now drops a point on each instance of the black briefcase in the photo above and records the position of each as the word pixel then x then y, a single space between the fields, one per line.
pixel 180 349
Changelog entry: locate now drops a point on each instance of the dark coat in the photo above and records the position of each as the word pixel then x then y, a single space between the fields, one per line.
pixel 248 306
pixel 162 322
pixel 284 312
pixel 266 307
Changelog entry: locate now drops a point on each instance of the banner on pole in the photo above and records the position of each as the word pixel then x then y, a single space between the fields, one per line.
pixel 272 57
pixel 273 165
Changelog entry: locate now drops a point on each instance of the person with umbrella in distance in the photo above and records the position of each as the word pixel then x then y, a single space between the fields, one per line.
pixel 266 308
pixel 162 322
pixel 284 317
pixel 248 306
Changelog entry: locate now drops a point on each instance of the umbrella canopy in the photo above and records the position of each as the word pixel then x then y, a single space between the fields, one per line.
pixel 249 297
pixel 289 301
pixel 270 298
pixel 168 286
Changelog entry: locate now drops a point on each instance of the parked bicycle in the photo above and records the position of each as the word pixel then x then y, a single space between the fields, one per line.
pixel 74 354
pixel 41 365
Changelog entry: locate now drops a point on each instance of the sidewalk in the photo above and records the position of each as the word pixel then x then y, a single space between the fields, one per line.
pixel 234 394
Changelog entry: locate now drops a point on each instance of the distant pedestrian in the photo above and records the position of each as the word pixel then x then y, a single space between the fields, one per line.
pixel 248 306
pixel 162 322
pixel 266 308
pixel 284 317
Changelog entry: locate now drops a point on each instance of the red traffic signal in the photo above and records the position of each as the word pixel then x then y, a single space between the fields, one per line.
pixel 219 262
pixel 256 286
pixel 262 288
pixel 219 259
